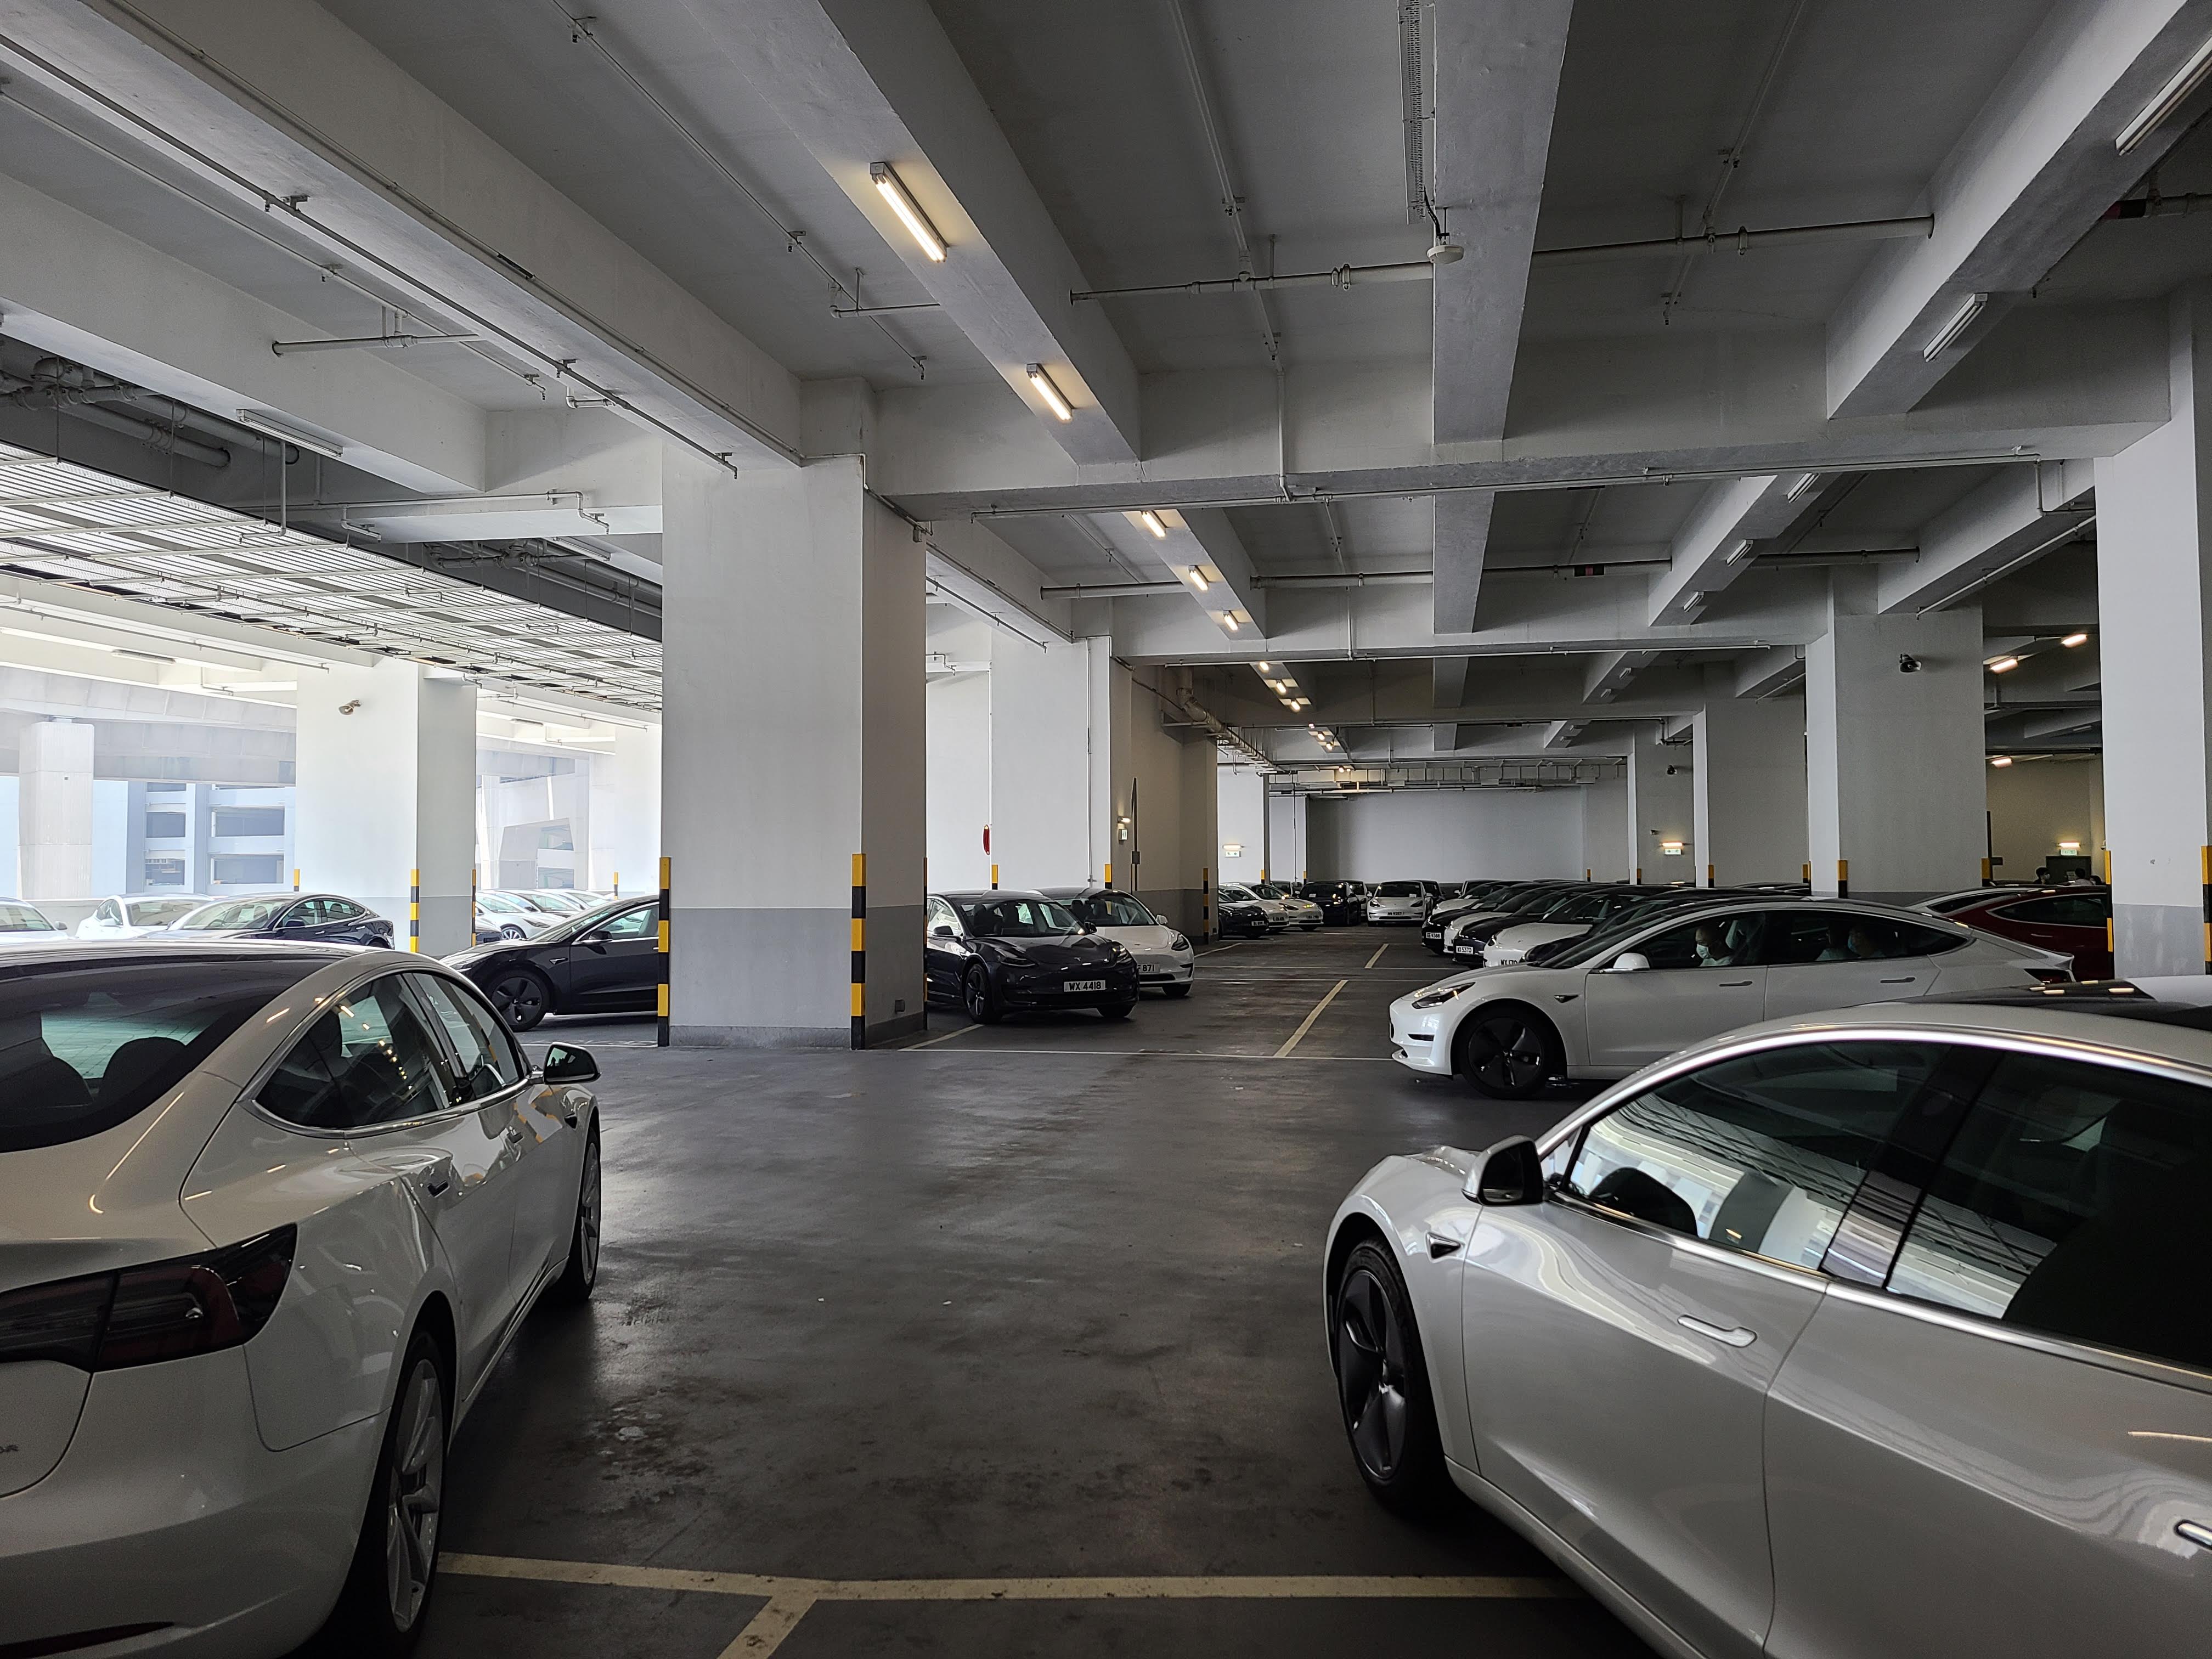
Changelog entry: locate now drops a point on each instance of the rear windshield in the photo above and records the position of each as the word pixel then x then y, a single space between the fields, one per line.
pixel 1114 910
pixel 1399 889
pixel 241 914
pixel 83 1047
pixel 159 913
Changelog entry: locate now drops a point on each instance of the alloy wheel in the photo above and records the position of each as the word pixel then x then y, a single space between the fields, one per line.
pixel 587 1212
pixel 1510 1053
pixel 521 997
pixel 413 1496
pixel 1370 1372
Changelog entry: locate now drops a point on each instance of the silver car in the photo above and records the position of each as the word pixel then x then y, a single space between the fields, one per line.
pixel 1398 901
pixel 1859 1335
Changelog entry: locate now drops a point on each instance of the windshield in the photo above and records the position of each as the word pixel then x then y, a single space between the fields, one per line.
pixel 1230 890
pixel 1618 932
pixel 159 911
pixel 84 1048
pixel 1581 907
pixel 243 913
pixel 1399 889
pixel 1016 917
pixel 1116 910
pixel 577 926
pixel 499 904
pixel 22 919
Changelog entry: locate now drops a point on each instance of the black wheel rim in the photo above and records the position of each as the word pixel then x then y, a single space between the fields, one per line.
pixel 519 997
pixel 1370 1374
pixel 1509 1053
pixel 979 996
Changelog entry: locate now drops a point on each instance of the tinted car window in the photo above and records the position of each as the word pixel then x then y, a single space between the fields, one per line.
pixel 1803 936
pixel 369 1060
pixel 2071 1202
pixel 2066 910
pixel 1400 889
pixel 1114 910
pixel 85 1047
pixel 22 919
pixel 1017 918
pixel 641 923
pixel 1716 942
pixel 488 1061
pixel 236 912
pixel 340 910
pixel 1761 1153
pixel 941 916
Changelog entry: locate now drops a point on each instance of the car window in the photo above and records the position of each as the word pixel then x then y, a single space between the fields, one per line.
pixel 1728 941
pixel 643 922
pixel 1116 910
pixel 940 915
pixel 341 909
pixel 2066 910
pixel 1815 936
pixel 1017 918
pixel 109 912
pixel 488 1061
pixel 370 1060
pixel 1398 889
pixel 158 913
pixel 308 913
pixel 23 918
pixel 2071 1202
pixel 1760 1153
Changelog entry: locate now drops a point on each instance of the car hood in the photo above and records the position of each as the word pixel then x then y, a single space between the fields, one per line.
pixel 1140 938
pixel 1074 950
pixel 1529 933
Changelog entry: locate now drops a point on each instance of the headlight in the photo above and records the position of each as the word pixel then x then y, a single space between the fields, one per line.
pixel 1178 943
pixel 1437 994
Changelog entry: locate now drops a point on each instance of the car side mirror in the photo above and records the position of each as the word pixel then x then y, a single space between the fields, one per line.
pixel 566 1064
pixel 1630 961
pixel 1090 927
pixel 940 932
pixel 596 936
pixel 1512 1172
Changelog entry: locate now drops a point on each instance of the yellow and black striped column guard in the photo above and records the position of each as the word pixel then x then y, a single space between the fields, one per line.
pixel 2205 872
pixel 860 946
pixel 1843 877
pixel 661 1003
pixel 415 910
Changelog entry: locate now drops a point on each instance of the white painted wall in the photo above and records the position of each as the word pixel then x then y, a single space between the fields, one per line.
pixel 10 794
pixel 1446 835
pixel 1662 808
pixel 625 813
pixel 1040 701
pixel 959 741
pixel 2035 805
pixel 1243 812
pixel 1605 819
pixel 1286 837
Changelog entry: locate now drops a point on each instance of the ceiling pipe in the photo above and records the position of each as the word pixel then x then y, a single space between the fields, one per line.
pixel 368 343
pixel 78 404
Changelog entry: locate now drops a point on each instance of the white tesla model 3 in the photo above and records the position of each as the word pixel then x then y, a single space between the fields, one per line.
pixel 1627 996
pixel 268 1215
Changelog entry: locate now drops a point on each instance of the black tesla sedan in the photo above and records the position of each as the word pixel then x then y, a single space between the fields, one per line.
pixel 605 961
pixel 1342 902
pixel 993 953
pixel 327 918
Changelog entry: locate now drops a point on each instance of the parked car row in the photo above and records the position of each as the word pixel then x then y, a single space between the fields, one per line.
pixel 1001 950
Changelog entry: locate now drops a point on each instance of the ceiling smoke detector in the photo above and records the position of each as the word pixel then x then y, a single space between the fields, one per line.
pixel 1445 252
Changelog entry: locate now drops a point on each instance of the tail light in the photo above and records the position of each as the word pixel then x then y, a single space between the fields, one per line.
pixel 164 1311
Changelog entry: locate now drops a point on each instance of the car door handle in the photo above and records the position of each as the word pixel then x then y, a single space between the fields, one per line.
pixel 1737 1338
pixel 2195 1532
pixel 1907 980
pixel 1734 984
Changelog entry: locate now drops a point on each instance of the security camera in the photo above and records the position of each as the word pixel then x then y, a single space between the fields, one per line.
pixel 347 707
pixel 1908 664
pixel 1670 771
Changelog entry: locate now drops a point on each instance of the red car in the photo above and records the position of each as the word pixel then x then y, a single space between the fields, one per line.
pixel 2057 918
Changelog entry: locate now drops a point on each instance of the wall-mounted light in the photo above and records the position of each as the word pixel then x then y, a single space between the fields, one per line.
pixel 2069 846
pixel 1232 849
pixel 893 191
pixel 1151 520
pixel 2170 97
pixel 1049 392
pixel 1947 335
pixel 1673 850
pixel 2072 640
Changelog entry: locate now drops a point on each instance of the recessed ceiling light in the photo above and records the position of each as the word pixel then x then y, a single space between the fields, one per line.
pixel 1740 550
pixel 1802 485
pixel 893 191
pixel 2171 96
pixel 1198 579
pixel 1049 392
pixel 1229 620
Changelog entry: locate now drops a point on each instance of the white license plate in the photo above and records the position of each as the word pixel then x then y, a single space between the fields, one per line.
pixel 1084 985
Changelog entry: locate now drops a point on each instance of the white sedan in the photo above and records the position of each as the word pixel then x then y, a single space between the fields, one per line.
pixel 1276 912
pixel 136 915
pixel 268 1216
pixel 1298 912
pixel 1629 995
pixel 1164 958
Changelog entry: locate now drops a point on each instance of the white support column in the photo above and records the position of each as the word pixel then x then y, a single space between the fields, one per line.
pixel 794 742
pixel 1040 726
pixel 1241 814
pixel 1894 755
pixel 2155 609
pixel 1155 805
pixel 1604 847
pixel 1661 810
pixel 386 778
pixel 54 841
pixel 1286 839
pixel 625 814
pixel 1750 785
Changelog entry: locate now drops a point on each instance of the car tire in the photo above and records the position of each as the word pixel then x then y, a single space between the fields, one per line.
pixel 1176 990
pixel 1117 1010
pixel 1508 1051
pixel 978 1000
pixel 577 1279
pixel 388 1589
pixel 523 996
pixel 1383 1384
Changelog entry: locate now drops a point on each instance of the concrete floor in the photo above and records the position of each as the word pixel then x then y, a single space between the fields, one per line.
pixel 1022 1303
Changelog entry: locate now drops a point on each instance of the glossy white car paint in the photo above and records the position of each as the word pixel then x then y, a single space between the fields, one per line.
pixel 1164 958
pixel 136 915
pixel 220 1496
pixel 1949 1485
pixel 1297 912
pixel 1277 913
pixel 1412 907
pixel 1515 942
pixel 1608 1023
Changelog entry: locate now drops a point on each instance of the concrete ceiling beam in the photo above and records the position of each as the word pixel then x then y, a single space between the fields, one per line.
pixel 1768 673
pixel 279 107
pixel 1611 672
pixel 2018 515
pixel 2035 170
pixel 1714 547
pixel 868 84
pixel 1564 734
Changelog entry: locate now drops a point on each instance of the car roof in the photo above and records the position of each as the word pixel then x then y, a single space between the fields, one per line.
pixel 987 894
pixel 2101 1019
pixel 82 952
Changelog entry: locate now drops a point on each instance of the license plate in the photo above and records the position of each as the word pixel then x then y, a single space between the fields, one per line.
pixel 1084 985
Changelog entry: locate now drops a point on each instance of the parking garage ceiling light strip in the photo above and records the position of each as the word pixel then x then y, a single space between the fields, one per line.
pixel 69 524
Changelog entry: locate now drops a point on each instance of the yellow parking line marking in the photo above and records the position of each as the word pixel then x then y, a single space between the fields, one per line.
pixel 789 1600
pixel 928 1043
pixel 1377 957
pixel 1306 1024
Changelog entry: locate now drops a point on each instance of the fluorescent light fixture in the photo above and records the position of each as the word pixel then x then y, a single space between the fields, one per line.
pixel 2001 760
pixel 1229 620
pixel 64 639
pixel 1049 392
pixel 893 191
pixel 2171 97
pixel 1290 702
pixel 1802 485
pixel 1232 849
pixel 1263 666
pixel 1947 335
pixel 1740 550
pixel 1151 520
pixel 2069 846
pixel 2075 639
pixel 2004 664
pixel 1673 850
pixel 274 428
pixel 1198 579
pixel 1301 702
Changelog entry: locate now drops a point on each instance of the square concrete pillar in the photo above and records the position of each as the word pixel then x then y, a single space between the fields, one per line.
pixel 2154 612
pixel 1155 797
pixel 1662 808
pixel 1749 785
pixel 1894 752
pixel 793 751
pixel 54 839
pixel 625 814
pixel 385 786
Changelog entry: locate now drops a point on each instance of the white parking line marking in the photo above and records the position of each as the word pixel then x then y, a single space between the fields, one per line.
pixel 790 1600
pixel 1218 949
pixel 1377 957
pixel 1306 1024
pixel 994 1051
pixel 931 1042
